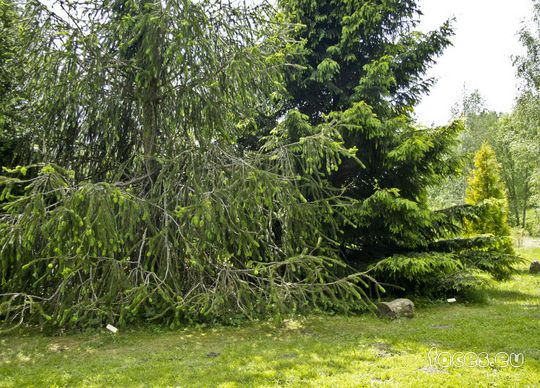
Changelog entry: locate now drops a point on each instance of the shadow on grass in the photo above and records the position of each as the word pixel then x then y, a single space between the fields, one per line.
pixel 524 270
pixel 509 295
pixel 358 351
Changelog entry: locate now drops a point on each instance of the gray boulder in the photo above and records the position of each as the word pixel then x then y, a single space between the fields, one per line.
pixel 397 308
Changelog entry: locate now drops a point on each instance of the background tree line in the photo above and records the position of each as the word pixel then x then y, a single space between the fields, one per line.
pixel 515 138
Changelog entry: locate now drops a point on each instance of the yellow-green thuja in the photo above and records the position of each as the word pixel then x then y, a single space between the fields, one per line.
pixel 485 186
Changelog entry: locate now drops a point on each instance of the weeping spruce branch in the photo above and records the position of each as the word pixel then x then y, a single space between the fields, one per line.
pixel 79 254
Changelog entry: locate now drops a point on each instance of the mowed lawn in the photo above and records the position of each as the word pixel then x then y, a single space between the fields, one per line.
pixel 317 351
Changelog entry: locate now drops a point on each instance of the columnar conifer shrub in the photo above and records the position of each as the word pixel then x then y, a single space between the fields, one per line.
pixel 486 185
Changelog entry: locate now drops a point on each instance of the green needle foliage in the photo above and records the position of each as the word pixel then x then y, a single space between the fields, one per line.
pixel 141 205
pixel 356 50
pixel 201 161
pixel 449 267
pixel 13 145
pixel 367 54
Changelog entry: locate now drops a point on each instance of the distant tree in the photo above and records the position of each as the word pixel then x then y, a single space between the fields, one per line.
pixel 528 65
pixel 486 185
pixel 519 134
pixel 479 125
pixel 518 150
pixel 515 139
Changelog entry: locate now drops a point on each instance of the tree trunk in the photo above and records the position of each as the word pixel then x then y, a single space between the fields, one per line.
pixel 525 201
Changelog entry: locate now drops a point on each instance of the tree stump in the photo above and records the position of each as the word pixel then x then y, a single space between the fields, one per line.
pixel 535 267
pixel 397 308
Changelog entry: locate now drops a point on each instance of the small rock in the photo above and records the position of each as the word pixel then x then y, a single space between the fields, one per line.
pixel 535 267
pixel 213 354
pixel 397 308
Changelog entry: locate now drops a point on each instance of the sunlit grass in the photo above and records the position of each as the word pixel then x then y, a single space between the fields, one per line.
pixel 317 351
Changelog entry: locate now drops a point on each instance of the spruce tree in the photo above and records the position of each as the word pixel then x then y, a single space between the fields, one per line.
pixel 141 206
pixel 367 56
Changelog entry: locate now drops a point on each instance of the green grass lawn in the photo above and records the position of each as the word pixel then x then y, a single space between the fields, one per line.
pixel 318 351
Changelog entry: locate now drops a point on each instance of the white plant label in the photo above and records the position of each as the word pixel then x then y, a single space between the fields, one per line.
pixel 111 328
